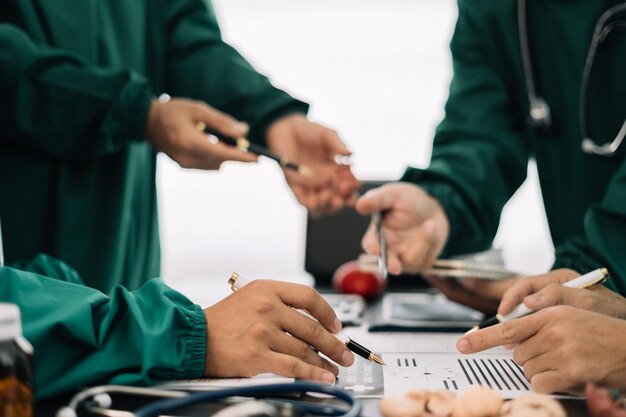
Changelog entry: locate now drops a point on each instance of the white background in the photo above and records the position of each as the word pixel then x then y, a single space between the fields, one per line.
pixel 375 70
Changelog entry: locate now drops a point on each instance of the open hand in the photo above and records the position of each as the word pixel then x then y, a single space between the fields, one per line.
pixel 331 185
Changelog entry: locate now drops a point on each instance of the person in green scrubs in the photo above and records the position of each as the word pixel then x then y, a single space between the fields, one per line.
pixel 80 127
pixel 480 155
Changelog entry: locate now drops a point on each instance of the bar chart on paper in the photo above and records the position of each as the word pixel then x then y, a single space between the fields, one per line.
pixel 435 371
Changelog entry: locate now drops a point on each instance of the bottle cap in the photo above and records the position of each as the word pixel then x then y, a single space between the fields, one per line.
pixel 10 322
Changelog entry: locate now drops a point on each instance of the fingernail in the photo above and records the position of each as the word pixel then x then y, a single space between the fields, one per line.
pixel 463 346
pixel 337 325
pixel 347 358
pixel 328 378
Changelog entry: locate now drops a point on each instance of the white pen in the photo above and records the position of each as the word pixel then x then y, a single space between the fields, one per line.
pixel 597 276
pixel 236 281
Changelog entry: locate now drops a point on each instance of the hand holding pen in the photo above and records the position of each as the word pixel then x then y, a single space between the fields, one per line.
pixel 237 282
pixel 244 145
pixel 171 129
pixel 255 330
pixel 558 278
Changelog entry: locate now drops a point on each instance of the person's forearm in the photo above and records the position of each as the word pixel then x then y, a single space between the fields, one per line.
pixel 83 337
pixel 203 67
pixel 57 103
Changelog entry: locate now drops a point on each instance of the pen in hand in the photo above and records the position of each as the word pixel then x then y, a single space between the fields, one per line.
pixel 597 276
pixel 246 146
pixel 382 242
pixel 236 282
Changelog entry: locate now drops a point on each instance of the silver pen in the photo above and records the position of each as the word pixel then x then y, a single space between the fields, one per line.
pixel 236 282
pixel 377 218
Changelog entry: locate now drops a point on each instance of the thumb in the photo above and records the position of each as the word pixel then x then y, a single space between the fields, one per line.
pixel 221 123
pixel 378 199
pixel 334 144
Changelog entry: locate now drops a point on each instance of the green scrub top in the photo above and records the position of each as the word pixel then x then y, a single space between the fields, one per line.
pixel 482 147
pixel 77 179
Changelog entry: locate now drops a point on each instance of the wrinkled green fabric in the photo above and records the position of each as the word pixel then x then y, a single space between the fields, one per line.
pixel 77 179
pixel 84 337
pixel 482 147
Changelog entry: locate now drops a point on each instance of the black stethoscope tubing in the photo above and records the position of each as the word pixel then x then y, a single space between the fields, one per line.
pixel 172 404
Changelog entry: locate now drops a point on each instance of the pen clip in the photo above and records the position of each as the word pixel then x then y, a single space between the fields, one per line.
pixel 232 281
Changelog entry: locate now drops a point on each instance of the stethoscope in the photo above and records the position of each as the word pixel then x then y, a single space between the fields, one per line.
pixel 97 401
pixel 539 110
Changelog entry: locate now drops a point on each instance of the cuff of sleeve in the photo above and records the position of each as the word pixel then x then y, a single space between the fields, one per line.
pixel 258 128
pixel 131 108
pixel 195 355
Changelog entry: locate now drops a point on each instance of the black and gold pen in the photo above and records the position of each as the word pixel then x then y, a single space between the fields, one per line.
pixel 236 281
pixel 246 146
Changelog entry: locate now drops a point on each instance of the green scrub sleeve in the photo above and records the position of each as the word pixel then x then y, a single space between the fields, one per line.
pixel 202 66
pixel 605 236
pixel 84 337
pixel 479 155
pixel 55 102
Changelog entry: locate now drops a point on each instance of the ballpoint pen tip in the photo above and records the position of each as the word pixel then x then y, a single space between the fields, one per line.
pixel 374 358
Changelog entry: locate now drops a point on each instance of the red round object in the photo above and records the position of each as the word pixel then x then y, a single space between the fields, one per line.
pixel 349 278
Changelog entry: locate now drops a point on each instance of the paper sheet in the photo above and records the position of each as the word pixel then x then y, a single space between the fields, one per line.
pixel 219 383
pixel 434 371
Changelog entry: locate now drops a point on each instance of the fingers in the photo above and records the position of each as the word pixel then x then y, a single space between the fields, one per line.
pixel 547 382
pixel 306 298
pixel 527 286
pixel 371 245
pixel 378 199
pixel 292 367
pixel 457 293
pixel 220 122
pixel 370 242
pixel 488 288
pixel 334 144
pixel 314 334
pixel 510 332
pixel 556 294
pixel 601 403
pixel 293 347
pixel 422 245
pixel 209 154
